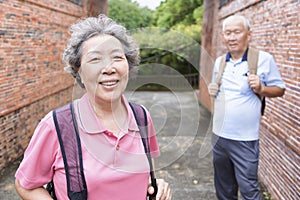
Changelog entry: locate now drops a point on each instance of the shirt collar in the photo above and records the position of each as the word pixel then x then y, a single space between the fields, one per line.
pixel 131 122
pixel 244 58
pixel 89 122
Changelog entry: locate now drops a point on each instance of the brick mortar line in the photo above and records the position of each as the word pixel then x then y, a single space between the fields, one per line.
pixel 43 5
pixel 8 111
pixel 240 9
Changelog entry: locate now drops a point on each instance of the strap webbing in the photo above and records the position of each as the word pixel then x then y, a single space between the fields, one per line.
pixel 142 122
pixel 69 140
pixel 221 69
pixel 252 59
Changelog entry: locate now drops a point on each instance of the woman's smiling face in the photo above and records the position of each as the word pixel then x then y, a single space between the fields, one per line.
pixel 104 68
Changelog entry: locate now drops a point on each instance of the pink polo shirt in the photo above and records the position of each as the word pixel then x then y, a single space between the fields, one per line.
pixel 115 168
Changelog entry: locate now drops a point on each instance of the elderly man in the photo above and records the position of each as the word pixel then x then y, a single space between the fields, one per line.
pixel 237 111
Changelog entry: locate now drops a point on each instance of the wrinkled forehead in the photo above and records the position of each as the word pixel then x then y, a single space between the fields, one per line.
pixel 102 43
pixel 235 22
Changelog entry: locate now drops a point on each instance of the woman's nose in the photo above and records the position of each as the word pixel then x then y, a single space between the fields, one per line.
pixel 108 67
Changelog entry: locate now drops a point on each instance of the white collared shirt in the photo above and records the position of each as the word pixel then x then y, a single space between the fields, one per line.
pixel 237 110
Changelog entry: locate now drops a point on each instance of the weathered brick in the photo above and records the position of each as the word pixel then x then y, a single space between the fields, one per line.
pixel 25 34
pixel 33 35
pixel 275 26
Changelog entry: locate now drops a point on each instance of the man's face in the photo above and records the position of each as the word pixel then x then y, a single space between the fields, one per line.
pixel 236 36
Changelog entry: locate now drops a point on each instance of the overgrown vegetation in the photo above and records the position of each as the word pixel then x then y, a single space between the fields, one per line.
pixel 184 16
pixel 169 36
pixel 266 195
pixel 129 14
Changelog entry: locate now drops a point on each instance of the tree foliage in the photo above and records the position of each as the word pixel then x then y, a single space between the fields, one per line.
pixel 184 16
pixel 169 37
pixel 129 14
pixel 169 48
pixel 181 15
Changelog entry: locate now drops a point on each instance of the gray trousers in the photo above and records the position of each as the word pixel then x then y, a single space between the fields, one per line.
pixel 235 167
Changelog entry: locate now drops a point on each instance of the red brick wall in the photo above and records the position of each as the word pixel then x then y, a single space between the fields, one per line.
pixel 276 29
pixel 33 35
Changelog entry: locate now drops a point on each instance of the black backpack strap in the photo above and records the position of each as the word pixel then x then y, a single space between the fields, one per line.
pixel 51 190
pixel 142 122
pixel 69 140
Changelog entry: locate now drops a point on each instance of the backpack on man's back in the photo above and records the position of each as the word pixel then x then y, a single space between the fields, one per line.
pixel 252 59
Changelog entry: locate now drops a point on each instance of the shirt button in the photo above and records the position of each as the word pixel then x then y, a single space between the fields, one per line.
pixel 108 133
pixel 117 147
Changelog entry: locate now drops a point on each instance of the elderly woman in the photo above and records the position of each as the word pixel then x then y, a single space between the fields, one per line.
pixel 100 56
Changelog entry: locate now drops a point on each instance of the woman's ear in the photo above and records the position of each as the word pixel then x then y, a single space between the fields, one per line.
pixel 78 79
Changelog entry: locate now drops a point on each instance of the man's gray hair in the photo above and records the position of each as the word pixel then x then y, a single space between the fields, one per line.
pixel 236 17
pixel 93 26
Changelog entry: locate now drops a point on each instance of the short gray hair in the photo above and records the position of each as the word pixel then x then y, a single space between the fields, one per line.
pixel 236 17
pixel 93 26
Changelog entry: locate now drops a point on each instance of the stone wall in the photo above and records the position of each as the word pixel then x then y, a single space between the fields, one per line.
pixel 276 29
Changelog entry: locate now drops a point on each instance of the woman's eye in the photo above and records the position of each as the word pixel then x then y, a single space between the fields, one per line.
pixel 118 58
pixel 95 59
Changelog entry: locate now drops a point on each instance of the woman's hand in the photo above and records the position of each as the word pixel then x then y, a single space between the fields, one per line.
pixel 163 192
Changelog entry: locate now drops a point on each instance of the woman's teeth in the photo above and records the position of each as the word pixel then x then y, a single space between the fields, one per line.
pixel 108 83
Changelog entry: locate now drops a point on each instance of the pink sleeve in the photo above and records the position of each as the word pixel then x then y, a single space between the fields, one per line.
pixel 154 148
pixel 36 168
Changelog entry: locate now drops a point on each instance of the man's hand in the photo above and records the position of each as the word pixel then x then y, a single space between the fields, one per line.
pixel 267 91
pixel 164 191
pixel 254 83
pixel 213 89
